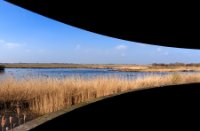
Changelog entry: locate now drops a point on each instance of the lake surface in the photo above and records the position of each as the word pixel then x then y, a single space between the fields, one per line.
pixel 20 73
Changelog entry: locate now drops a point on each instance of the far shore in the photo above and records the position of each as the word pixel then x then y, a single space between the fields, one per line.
pixel 175 67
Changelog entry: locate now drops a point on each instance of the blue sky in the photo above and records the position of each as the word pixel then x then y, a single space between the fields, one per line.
pixel 30 38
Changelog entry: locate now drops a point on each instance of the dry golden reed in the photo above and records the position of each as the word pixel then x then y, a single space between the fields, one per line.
pixel 45 95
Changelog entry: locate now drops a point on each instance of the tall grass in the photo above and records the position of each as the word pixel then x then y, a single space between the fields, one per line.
pixel 45 95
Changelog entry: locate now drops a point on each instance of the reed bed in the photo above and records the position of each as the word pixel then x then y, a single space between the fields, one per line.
pixel 45 95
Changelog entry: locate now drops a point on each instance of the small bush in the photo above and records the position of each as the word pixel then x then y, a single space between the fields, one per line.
pixel 176 78
pixel 2 67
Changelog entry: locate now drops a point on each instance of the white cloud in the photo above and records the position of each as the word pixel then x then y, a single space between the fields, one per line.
pixel 27 51
pixel 9 45
pixel 2 41
pixel 123 54
pixel 166 53
pixel 12 45
pixel 161 51
pixel 41 51
pixel 121 47
pixel 142 44
pixel 78 47
pixel 158 49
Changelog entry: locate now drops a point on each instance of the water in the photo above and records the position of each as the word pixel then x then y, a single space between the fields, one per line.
pixel 20 73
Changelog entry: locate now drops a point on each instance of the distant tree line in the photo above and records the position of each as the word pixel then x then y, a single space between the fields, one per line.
pixel 2 67
pixel 176 64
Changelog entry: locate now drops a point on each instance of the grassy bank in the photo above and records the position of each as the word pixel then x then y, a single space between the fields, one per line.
pixel 157 69
pixel 45 95
pixel 160 68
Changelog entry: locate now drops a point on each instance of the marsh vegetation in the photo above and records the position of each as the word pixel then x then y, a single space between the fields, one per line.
pixel 24 99
pixel 37 97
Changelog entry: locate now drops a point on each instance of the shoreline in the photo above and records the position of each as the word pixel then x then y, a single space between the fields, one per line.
pixel 112 67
